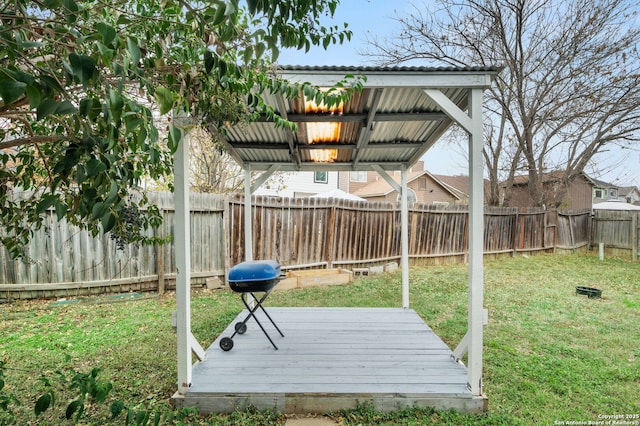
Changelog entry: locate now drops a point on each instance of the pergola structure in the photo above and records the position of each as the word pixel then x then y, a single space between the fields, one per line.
pixel 388 126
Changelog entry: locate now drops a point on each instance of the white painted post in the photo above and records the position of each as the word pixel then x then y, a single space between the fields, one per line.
pixel 183 264
pixel 476 243
pixel 248 222
pixel 404 229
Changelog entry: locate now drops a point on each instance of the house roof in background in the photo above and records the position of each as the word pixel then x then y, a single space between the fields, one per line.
pixel 626 190
pixel 381 187
pixel 392 123
pixel 555 176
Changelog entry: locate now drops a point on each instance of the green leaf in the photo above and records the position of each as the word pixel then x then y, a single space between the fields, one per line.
pixel 232 7
pixel 112 197
pixel 141 136
pixel 46 202
pixel 175 135
pixel 52 83
pixel 95 167
pixel 116 408
pixel 65 107
pixel 72 408
pixel 46 107
pixel 87 109
pixel 209 61
pixel 164 98
pixel 83 67
pixel 43 403
pixel 116 103
pixel 102 388
pixel 107 53
pixel 134 50
pixel 11 91
pixel 72 9
pixel 132 122
pixel 61 209
pixel 219 16
pixel 34 95
pixel 108 222
pixel 99 210
pixel 248 54
pixel 260 48
pixel 107 32
pixel 142 417
pixel 252 5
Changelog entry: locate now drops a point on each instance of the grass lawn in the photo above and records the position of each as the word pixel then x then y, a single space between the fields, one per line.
pixel 551 356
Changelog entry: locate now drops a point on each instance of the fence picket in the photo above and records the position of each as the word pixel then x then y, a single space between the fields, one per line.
pixel 301 233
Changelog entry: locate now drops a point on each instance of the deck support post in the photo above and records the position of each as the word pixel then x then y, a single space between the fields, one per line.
pixel 402 189
pixel 404 229
pixel 183 264
pixel 472 123
pixel 248 223
pixel 476 243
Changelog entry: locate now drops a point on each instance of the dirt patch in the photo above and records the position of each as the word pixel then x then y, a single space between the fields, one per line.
pixel 301 420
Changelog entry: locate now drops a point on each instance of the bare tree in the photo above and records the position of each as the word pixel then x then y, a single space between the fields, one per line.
pixel 213 170
pixel 570 87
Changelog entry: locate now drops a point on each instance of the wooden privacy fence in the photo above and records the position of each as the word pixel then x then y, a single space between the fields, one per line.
pixel 299 233
pixel 64 260
pixel 619 232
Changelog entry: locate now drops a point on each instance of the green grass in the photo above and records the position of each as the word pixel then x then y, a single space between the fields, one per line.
pixel 550 355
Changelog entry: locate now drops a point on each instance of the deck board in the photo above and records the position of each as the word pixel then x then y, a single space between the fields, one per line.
pixel 329 359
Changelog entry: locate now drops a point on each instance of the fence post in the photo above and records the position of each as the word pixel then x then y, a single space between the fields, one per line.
pixel 160 257
pixel 516 226
pixel 331 235
pixel 226 232
pixel 634 236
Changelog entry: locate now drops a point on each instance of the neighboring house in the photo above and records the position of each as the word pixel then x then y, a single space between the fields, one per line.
pixel 302 184
pixel 582 193
pixel 630 194
pixel 424 187
pixel 603 191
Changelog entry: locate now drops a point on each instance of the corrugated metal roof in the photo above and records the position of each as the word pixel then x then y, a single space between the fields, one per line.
pixel 342 68
pixel 403 121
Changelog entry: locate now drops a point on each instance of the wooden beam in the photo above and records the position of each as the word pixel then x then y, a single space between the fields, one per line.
pixel 338 166
pixel 367 129
pixel 476 244
pixel 248 222
pixel 353 118
pixel 228 147
pixel 398 78
pixel 388 178
pixel 183 265
pixel 324 145
pixel 462 348
pixel 295 155
pixel 404 239
pixel 263 177
pixel 450 108
pixel 196 348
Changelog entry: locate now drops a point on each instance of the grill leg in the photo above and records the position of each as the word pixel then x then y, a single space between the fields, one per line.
pixel 259 305
pixel 242 325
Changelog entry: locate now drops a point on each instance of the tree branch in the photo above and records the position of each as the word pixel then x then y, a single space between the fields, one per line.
pixel 32 140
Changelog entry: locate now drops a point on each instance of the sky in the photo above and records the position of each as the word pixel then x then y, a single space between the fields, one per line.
pixel 375 18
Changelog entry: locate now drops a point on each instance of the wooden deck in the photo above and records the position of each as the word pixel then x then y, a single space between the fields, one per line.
pixel 329 359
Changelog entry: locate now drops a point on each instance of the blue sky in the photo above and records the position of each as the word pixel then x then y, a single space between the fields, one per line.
pixel 363 16
pixel 373 18
pixel 376 18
